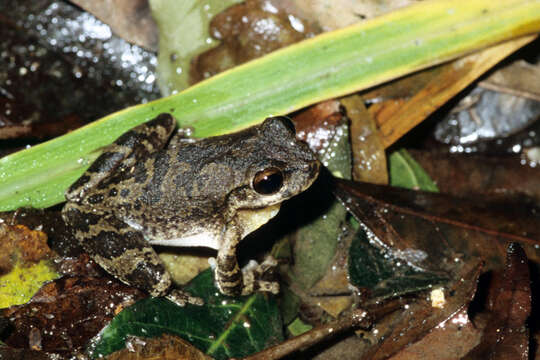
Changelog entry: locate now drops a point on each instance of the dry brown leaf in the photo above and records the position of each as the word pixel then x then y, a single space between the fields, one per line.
pixel 129 19
pixel 166 347
pixel 455 77
pixel 369 158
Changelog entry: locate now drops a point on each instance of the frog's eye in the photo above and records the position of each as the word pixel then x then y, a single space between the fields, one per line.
pixel 268 181
pixel 288 124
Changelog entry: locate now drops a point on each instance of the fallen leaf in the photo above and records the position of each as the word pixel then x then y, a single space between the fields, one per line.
pixel 223 327
pixel 10 353
pixel 469 175
pixel 506 335
pixel 481 115
pixel 416 319
pixel 24 263
pixel 402 321
pixel 19 243
pixel 243 36
pixel 129 19
pixel 67 312
pixel 183 33
pixel 452 340
pixel 407 173
pixel 519 78
pixel 369 158
pixel 67 71
pixel 383 275
pixel 445 229
pixel 166 347
pixel 455 77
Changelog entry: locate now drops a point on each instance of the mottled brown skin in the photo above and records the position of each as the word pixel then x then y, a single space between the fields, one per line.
pixel 141 192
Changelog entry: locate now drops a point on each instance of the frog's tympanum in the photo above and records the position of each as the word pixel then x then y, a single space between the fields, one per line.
pixel 148 190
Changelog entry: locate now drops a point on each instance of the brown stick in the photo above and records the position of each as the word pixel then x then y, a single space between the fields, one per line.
pixel 358 318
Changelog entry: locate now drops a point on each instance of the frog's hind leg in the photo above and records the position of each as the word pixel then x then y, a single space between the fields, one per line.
pixel 119 249
pixel 135 144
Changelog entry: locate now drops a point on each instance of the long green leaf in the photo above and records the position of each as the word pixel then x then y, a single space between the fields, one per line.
pixel 327 66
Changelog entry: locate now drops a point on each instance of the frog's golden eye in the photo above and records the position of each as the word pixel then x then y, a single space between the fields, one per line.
pixel 268 181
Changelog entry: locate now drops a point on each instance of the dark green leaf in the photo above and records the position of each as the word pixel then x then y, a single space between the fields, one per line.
pixel 223 327
pixel 381 273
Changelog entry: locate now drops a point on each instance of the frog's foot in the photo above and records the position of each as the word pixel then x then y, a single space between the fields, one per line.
pixel 181 298
pixel 253 276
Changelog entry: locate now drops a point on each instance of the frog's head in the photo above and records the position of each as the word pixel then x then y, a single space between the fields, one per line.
pixel 280 167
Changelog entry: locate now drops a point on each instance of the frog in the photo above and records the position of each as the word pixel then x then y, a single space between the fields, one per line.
pixel 154 186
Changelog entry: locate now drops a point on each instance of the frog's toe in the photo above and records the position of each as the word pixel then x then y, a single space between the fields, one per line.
pixel 268 264
pixel 181 298
pixel 267 286
pixel 254 277
pixel 259 271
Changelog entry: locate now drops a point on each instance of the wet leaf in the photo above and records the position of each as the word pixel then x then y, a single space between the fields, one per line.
pixel 451 339
pixel 382 274
pixel 445 229
pixel 129 19
pixel 416 319
pixel 506 335
pixel 50 221
pixel 482 115
pixel 24 264
pixel 23 281
pixel 298 327
pixel 396 118
pixel 165 347
pixel 369 157
pixel 47 321
pixel 10 353
pixel 469 175
pixel 407 173
pixel 183 33
pixel 223 327
pixel 242 37
pixel 314 244
pixel 62 68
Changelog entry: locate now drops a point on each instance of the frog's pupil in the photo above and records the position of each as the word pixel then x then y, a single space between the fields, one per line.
pixel 268 181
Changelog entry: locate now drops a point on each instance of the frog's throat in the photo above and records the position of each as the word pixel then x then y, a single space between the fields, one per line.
pixel 248 220
pixel 251 219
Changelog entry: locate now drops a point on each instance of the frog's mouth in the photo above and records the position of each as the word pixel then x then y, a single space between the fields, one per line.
pixel 252 219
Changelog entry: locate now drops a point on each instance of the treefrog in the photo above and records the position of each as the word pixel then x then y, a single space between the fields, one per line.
pixel 153 188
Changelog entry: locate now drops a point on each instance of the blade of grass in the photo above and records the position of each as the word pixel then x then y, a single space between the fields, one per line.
pixel 329 65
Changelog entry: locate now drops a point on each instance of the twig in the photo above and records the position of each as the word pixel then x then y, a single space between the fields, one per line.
pixel 358 318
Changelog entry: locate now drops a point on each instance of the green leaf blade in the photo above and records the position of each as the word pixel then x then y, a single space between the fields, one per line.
pixel 327 66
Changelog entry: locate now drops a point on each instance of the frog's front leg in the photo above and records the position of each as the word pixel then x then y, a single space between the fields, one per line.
pixel 231 280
